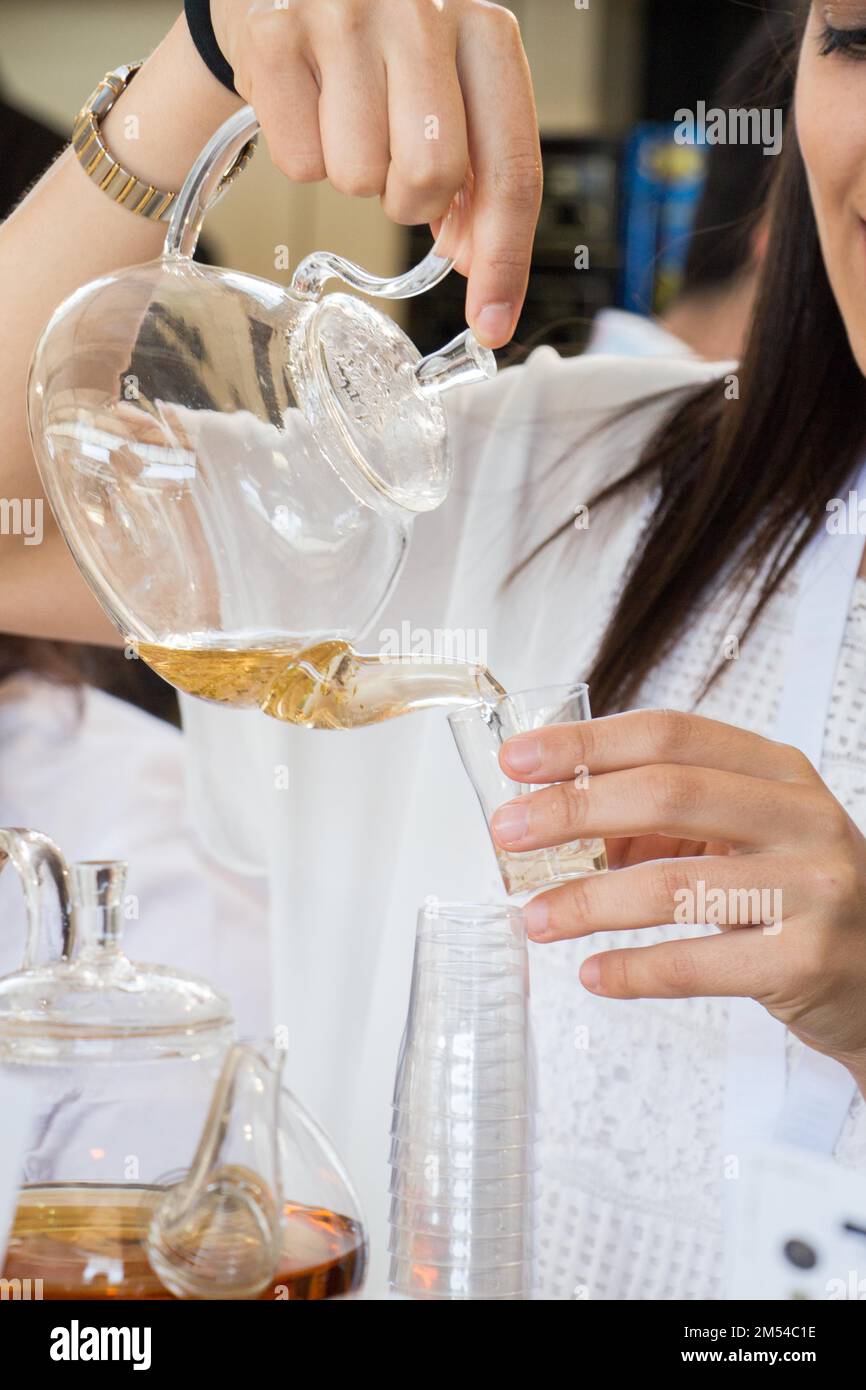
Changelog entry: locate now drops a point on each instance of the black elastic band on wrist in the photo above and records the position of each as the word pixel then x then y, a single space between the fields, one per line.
pixel 201 32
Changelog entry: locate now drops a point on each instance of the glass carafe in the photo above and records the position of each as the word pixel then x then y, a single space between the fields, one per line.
pixel 167 1160
pixel 236 466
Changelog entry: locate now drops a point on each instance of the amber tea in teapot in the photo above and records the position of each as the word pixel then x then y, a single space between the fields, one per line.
pixel 89 1241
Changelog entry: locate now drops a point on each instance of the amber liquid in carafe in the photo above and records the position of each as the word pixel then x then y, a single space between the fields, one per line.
pixel 88 1241
pixel 324 686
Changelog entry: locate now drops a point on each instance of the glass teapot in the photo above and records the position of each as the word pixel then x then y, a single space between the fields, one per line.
pixel 166 1161
pixel 236 466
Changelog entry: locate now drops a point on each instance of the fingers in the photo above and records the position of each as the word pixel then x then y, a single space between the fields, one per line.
pixel 622 853
pixel 642 737
pixel 684 802
pixel 277 76
pixel 353 114
pixel 721 891
pixel 427 122
pixel 402 99
pixel 748 964
pixel 506 161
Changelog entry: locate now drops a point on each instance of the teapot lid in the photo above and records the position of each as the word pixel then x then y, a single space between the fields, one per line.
pixel 370 398
pixel 89 1001
pixel 373 400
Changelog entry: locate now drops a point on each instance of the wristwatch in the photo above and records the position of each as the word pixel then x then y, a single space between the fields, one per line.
pixel 100 165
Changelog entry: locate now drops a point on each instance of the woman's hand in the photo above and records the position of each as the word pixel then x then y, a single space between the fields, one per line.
pixel 400 98
pixel 703 822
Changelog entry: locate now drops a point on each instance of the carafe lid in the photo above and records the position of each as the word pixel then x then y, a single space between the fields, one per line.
pixel 109 1009
pixel 87 1000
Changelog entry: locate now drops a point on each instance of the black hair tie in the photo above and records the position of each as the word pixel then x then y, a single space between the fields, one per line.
pixel 201 32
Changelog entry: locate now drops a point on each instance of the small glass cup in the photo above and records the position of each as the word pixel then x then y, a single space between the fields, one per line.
pixel 479 731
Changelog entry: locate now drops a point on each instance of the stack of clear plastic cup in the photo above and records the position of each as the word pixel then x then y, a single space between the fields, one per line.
pixel 463 1133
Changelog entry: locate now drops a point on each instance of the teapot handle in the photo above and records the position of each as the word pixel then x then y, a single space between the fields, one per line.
pixel 45 881
pixel 214 170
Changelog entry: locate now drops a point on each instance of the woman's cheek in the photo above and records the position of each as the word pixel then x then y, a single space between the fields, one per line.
pixel 813 114
pixel 831 131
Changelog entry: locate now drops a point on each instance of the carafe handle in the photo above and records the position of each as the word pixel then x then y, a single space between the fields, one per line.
pixel 44 877
pixel 217 1233
pixel 215 168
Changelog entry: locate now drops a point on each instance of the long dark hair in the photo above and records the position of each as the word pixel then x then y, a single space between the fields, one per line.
pixel 749 477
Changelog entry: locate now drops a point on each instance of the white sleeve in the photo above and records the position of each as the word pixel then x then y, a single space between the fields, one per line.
pixel 555 404
pixel 224 766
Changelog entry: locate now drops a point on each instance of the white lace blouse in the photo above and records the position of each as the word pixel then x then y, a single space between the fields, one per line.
pixel 632 1092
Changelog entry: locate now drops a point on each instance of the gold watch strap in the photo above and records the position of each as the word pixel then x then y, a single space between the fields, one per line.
pixel 100 165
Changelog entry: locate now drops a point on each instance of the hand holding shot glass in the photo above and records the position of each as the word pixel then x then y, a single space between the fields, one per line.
pixel 480 732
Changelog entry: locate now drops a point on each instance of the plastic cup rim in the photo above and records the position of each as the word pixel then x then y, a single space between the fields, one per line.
pixel 510 1264
pixel 494 1148
pixel 518 1296
pixel 415 1055
pixel 470 1175
pixel 461 1119
pixel 448 1207
pixel 413 1231
pixel 491 1150
pixel 405 1170
pixel 472 1271
pixel 468 914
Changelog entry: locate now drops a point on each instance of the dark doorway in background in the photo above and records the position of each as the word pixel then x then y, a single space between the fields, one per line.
pixel 687 45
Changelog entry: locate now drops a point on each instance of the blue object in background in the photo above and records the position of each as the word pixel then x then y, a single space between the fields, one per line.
pixel 662 183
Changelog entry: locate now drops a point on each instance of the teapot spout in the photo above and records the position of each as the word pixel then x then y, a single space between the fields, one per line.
pixel 218 1232
pixel 331 686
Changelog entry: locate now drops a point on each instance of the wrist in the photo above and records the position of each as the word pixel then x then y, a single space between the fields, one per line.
pixel 202 29
pixel 169 111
